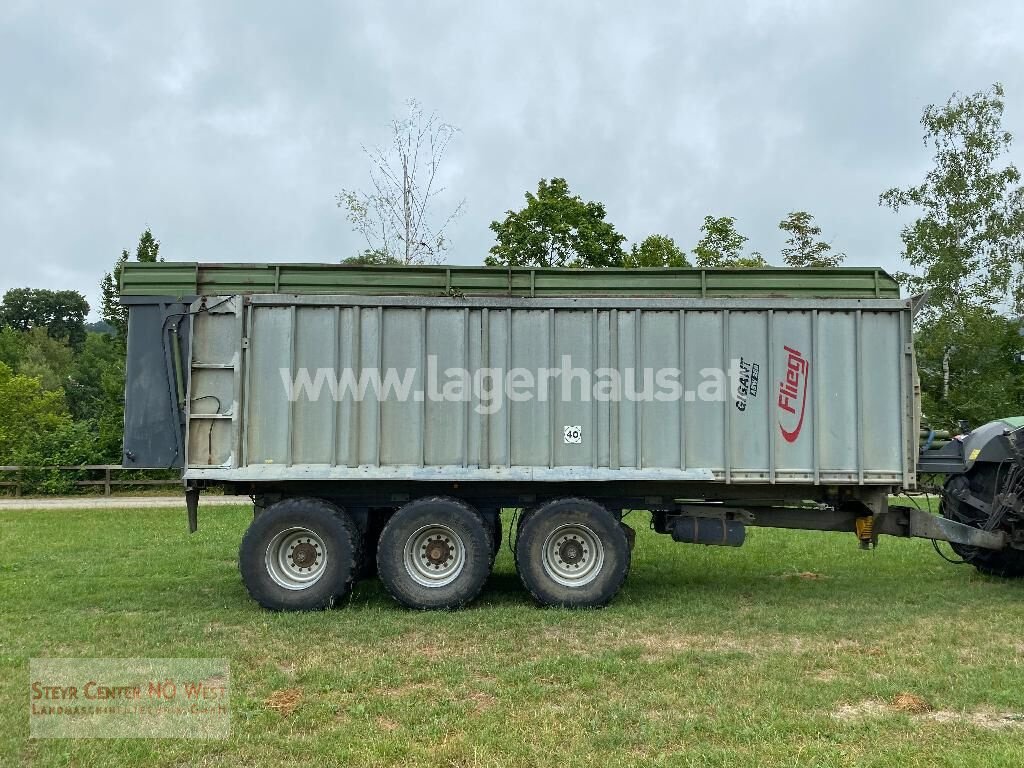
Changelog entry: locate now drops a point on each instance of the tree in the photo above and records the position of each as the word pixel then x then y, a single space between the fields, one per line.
pixel 44 358
pixel 373 258
pixel 967 243
pixel 803 249
pixel 94 389
pixel 396 218
pixel 61 313
pixel 27 411
pixel 555 229
pixel 722 245
pixel 967 368
pixel 655 251
pixel 147 251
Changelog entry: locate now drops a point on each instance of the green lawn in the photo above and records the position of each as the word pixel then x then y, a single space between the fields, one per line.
pixel 789 651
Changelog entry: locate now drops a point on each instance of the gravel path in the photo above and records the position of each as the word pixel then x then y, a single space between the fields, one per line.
pixel 116 502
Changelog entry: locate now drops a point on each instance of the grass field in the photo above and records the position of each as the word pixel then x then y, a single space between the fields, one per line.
pixel 798 649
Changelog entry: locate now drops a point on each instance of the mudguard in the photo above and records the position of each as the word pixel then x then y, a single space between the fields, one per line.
pixel 982 444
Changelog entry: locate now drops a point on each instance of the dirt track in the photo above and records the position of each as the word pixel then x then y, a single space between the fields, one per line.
pixel 115 502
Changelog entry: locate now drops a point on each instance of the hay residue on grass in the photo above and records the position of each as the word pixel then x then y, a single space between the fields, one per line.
pixel 284 702
pixel 921 711
pixel 910 702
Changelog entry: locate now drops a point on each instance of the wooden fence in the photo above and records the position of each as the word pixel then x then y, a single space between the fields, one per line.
pixel 95 475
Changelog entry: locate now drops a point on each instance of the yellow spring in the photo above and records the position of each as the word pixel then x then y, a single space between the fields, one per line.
pixel 866 528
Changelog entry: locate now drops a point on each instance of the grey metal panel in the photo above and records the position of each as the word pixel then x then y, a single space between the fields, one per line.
pixel 497 423
pixel 659 432
pixel 794 453
pixel 531 350
pixel 573 336
pixel 705 440
pixel 640 437
pixel 446 427
pixel 880 375
pixel 270 472
pixel 837 392
pixel 626 444
pixel 370 339
pixel 315 338
pixel 153 426
pixel 401 423
pixel 749 436
pixel 266 433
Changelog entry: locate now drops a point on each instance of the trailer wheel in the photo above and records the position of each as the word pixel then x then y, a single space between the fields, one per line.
pixel 300 554
pixel 980 480
pixel 435 553
pixel 572 553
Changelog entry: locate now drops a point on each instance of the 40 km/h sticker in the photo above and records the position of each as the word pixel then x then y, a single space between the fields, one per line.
pixel 573 434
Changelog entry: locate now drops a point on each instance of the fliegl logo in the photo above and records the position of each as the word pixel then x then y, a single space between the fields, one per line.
pixel 793 394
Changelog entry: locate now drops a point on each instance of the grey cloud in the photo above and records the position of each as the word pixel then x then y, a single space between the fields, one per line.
pixel 228 128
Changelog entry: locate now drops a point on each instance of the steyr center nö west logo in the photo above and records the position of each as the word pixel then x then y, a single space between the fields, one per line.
pixel 793 394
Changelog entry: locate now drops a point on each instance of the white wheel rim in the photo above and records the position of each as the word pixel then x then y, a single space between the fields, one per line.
pixel 296 558
pixel 572 555
pixel 435 555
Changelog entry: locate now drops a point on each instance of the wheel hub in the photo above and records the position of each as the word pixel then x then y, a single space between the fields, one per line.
pixel 303 554
pixel 571 551
pixel 434 556
pixel 438 551
pixel 296 558
pixel 572 555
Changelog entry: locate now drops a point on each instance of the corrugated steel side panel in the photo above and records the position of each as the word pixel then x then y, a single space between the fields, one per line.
pixel 181 279
pixel 846 419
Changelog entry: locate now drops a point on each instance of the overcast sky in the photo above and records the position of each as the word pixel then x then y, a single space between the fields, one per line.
pixel 229 127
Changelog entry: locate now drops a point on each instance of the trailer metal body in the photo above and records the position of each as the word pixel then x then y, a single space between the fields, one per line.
pixel 794 400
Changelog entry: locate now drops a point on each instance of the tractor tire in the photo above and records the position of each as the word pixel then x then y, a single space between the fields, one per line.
pixel 572 553
pixel 980 480
pixel 435 553
pixel 300 554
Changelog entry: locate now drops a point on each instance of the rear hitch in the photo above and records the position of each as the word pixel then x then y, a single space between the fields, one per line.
pixel 919 524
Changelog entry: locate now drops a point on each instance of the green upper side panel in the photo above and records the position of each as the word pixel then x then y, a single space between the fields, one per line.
pixel 170 278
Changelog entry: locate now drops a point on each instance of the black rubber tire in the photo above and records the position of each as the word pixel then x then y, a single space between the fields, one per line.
pixel 496 536
pixel 452 513
pixel 377 517
pixel 520 520
pixel 545 519
pixel 340 536
pixel 1006 563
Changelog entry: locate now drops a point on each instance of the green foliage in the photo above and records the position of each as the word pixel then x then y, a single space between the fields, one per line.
pixel 28 414
pixel 967 243
pixel 655 251
pixel 556 229
pixel 60 313
pixel 722 245
pixel 37 428
pixel 372 258
pixel 147 251
pixel 803 248
pixel 966 367
pixel 12 347
pixel 967 251
pixel 71 443
pixel 95 393
pixel 33 353
pixel 44 358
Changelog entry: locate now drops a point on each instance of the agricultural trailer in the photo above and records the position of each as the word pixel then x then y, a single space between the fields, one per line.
pixel 381 418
